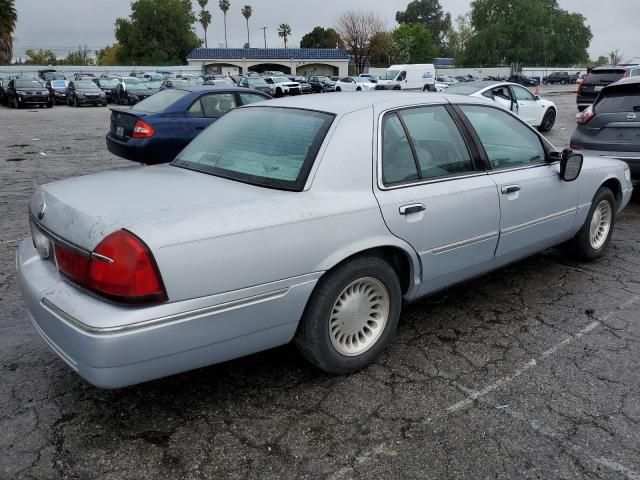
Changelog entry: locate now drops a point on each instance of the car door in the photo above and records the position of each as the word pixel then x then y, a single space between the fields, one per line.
pixel 528 108
pixel 208 108
pixel 537 208
pixel 433 194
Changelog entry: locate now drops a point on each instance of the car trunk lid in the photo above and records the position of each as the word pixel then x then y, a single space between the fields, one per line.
pixel 123 121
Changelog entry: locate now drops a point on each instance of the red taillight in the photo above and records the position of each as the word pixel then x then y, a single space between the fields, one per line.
pixel 142 130
pixel 585 116
pixel 120 268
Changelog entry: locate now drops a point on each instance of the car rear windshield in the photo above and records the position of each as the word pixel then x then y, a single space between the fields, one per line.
pixel 606 76
pixel 160 101
pixel 28 84
pixel 59 83
pixel 106 83
pixel 620 100
pixel 266 146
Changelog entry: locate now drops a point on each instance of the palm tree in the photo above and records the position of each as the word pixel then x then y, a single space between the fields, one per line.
pixel 284 31
pixel 224 6
pixel 246 13
pixel 204 18
pixel 8 19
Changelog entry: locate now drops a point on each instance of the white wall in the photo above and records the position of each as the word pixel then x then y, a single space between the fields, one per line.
pixel 69 70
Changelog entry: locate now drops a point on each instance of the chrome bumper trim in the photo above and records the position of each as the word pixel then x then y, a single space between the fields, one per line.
pixel 177 317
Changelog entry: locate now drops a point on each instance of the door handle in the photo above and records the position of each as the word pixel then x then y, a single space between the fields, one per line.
pixel 510 189
pixel 413 208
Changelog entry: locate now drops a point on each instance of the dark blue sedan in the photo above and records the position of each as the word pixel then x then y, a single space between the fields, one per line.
pixel 159 127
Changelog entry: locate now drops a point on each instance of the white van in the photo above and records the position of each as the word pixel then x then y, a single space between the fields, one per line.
pixel 418 76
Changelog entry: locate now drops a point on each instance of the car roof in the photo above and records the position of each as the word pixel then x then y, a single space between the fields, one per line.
pixel 343 102
pixel 624 81
pixel 604 69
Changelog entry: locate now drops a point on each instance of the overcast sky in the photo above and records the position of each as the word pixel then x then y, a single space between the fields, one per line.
pixel 65 24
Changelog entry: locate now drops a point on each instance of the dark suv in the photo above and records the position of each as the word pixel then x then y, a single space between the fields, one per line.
pixel 562 78
pixel 611 126
pixel 595 81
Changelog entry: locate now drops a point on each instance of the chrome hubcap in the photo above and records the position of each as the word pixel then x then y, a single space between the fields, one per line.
pixel 600 225
pixel 359 316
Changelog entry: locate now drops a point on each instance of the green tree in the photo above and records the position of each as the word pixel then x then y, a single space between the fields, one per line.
pixel 224 6
pixel 8 20
pixel 413 43
pixel 522 31
pixel 284 32
pixel 109 55
pixel 41 57
pixel 382 47
pixel 615 57
pixel 246 13
pixel 430 14
pixel 157 32
pixel 204 17
pixel 78 57
pixel 458 38
pixel 321 38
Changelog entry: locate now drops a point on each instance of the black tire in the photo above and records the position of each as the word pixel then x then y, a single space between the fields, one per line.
pixel 548 121
pixel 279 93
pixel 50 104
pixel 580 246
pixel 358 89
pixel 313 338
pixel 338 89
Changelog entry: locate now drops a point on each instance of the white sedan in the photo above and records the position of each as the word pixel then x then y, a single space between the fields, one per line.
pixel 536 111
pixel 355 84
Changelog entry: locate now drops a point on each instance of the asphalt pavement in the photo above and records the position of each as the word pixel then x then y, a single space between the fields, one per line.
pixel 531 372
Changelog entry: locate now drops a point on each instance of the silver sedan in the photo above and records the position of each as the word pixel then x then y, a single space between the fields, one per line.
pixel 309 219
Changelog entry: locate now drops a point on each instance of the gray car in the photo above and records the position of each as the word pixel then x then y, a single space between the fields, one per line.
pixel 309 219
pixel 611 126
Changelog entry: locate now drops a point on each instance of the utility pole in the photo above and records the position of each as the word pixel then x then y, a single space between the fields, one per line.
pixel 264 31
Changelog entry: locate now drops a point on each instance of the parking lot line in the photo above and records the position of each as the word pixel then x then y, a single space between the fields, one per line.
pixel 533 362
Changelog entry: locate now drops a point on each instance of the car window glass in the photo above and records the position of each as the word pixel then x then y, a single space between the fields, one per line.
pixel 398 164
pixel 501 92
pixel 217 104
pixel 247 98
pixel 619 101
pixel 196 109
pixel 402 76
pixel 439 145
pixel 506 140
pixel 345 79
pixel 522 93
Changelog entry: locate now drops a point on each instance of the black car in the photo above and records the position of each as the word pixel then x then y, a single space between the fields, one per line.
pixel 24 91
pixel 58 90
pixel 305 87
pixel 85 92
pixel 320 84
pixel 107 85
pixel 523 80
pixel 130 93
pixel 256 83
pixel 561 78
pixel 595 81
pixel 610 127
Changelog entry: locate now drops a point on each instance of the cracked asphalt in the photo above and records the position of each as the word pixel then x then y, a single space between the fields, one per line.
pixel 531 372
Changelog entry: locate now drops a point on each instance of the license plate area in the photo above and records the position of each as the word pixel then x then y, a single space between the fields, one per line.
pixel 597 88
pixel 120 132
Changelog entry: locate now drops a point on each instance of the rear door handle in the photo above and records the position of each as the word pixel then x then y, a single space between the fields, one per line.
pixel 510 189
pixel 413 208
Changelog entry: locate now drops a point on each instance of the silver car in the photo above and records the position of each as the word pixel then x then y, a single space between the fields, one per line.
pixel 309 219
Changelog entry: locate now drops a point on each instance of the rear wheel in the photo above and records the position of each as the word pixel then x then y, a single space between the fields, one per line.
pixel 351 316
pixel 338 89
pixel 278 92
pixel 548 121
pixel 358 89
pixel 594 236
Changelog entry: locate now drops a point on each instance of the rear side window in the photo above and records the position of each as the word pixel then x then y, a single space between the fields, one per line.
pixel 248 98
pixel 216 105
pixel 159 101
pixel 619 101
pixel 398 163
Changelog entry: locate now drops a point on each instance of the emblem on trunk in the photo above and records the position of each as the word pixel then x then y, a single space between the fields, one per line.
pixel 41 210
pixel 631 116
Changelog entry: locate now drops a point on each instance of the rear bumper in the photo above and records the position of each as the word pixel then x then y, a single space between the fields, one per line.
pixel 112 346
pixel 150 151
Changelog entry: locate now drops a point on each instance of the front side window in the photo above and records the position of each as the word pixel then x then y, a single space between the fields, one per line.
pixel 266 146
pixel 506 140
pixel 522 93
pixel 402 76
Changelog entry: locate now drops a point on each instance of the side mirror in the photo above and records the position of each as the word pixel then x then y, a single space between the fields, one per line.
pixel 570 165
pixel 536 97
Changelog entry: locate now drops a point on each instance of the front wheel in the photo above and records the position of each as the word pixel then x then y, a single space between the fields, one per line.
pixel 548 121
pixel 338 89
pixel 351 316
pixel 594 236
